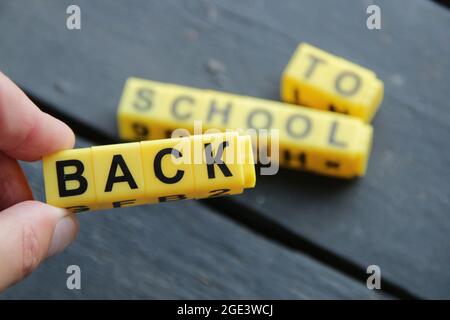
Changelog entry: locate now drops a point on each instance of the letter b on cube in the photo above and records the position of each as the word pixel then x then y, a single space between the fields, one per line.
pixel 69 179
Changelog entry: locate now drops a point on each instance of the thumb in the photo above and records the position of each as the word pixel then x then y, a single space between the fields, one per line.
pixel 30 231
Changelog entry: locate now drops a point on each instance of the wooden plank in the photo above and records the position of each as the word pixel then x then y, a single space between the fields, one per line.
pixel 396 217
pixel 178 250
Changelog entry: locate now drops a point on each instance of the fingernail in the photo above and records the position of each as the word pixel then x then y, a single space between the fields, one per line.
pixel 60 212
pixel 65 232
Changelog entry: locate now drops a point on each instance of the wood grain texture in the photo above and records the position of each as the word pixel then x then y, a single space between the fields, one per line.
pixel 177 250
pixel 396 217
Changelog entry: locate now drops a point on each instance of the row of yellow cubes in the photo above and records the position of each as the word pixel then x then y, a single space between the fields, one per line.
pixel 313 140
pixel 135 173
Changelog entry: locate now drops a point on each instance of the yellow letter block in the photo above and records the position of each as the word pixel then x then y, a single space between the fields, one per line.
pixel 313 140
pixel 118 175
pixel 227 160
pixel 318 79
pixel 130 174
pixel 144 97
pixel 168 171
pixel 69 179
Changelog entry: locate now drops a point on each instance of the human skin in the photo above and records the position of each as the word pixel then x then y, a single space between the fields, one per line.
pixel 30 231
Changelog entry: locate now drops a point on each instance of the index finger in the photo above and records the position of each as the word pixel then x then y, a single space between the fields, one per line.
pixel 27 133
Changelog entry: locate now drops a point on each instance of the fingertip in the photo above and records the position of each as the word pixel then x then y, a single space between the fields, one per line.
pixel 30 231
pixel 42 208
pixel 64 134
pixel 50 136
pixel 27 132
pixel 66 231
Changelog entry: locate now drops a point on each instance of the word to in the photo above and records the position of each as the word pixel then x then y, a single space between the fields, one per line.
pixel 318 79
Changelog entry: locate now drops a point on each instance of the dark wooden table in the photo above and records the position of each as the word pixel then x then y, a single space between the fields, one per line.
pixel 296 235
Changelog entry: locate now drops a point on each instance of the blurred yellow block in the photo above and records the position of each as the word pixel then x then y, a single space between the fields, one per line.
pixel 313 140
pixel 319 141
pixel 318 79
pixel 145 98
pixel 135 173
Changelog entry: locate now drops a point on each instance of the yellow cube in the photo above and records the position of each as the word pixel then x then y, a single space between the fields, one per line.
pixel 118 173
pixel 170 104
pixel 168 173
pixel 317 79
pixel 260 114
pixel 325 143
pixel 69 179
pixel 138 99
pixel 217 109
pixel 222 160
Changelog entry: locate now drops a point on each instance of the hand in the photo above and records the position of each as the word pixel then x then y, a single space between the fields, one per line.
pixel 30 231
